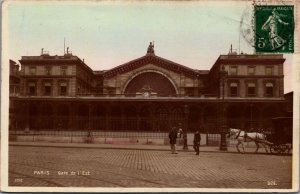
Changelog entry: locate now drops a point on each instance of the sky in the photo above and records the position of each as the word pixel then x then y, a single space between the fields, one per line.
pixel 109 33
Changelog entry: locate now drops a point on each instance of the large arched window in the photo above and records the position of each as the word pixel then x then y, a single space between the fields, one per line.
pixel 162 115
pixel 98 118
pixel 130 123
pixel 251 117
pixel 234 117
pixel 34 122
pixel 145 121
pixel 211 119
pixel 177 116
pixel 153 81
pixel 63 114
pixel 116 121
pixel 83 116
pixel 46 116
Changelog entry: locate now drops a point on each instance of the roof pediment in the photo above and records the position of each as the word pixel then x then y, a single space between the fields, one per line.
pixel 151 59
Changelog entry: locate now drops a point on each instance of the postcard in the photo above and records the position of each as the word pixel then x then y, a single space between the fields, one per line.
pixel 150 96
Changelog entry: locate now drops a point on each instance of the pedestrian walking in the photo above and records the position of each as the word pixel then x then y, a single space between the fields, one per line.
pixel 197 139
pixel 89 138
pixel 173 137
pixel 179 130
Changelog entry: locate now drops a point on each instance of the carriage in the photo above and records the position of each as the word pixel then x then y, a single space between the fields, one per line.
pixel 279 139
pixel 281 136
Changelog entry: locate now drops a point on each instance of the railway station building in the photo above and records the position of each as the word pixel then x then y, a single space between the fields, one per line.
pixel 147 94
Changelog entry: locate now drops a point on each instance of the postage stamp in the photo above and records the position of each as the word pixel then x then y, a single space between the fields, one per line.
pixel 274 28
pixel 150 96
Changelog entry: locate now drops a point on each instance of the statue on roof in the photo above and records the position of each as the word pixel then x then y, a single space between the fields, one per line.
pixel 150 49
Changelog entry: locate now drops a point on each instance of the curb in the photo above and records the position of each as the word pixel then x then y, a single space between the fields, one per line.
pixel 124 148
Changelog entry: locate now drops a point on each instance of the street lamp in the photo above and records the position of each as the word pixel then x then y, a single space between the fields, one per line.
pixel 223 144
pixel 186 113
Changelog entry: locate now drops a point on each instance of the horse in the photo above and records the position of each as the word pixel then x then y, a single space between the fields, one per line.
pixel 243 136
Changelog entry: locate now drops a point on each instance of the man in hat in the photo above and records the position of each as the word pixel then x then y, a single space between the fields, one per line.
pixel 197 139
pixel 173 137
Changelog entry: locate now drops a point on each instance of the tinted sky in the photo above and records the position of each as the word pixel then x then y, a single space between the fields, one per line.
pixel 107 34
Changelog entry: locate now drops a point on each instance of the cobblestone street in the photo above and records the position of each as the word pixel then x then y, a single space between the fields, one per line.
pixel 64 167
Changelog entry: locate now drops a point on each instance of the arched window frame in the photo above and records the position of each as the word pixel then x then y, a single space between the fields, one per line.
pixel 234 89
pixel 269 92
pixel 250 84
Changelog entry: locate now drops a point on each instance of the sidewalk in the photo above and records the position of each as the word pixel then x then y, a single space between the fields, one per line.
pixel 231 149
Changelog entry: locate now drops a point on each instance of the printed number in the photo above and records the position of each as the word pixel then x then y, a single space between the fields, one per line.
pixel 272 183
pixel 18 180
pixel 261 43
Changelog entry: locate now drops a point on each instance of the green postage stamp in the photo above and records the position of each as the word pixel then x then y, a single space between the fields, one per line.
pixel 274 29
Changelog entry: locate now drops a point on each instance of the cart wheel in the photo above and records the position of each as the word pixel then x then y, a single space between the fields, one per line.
pixel 273 149
pixel 284 149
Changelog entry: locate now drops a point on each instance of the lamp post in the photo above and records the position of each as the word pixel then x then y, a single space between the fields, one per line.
pixel 186 113
pixel 223 144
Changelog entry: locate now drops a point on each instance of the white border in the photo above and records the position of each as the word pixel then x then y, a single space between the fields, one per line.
pixel 5 109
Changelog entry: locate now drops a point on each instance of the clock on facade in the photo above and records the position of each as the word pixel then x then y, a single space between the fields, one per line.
pixel 146 94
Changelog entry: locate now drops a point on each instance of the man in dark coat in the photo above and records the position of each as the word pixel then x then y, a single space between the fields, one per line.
pixel 173 137
pixel 197 139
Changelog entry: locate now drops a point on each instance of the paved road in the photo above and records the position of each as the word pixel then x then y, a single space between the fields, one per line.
pixel 46 166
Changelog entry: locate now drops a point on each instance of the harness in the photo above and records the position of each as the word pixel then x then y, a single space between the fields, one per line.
pixel 256 138
pixel 238 135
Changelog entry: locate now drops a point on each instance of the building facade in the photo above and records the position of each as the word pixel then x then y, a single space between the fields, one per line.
pixel 149 93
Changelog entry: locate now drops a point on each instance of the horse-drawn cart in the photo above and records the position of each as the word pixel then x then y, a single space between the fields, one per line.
pixel 279 139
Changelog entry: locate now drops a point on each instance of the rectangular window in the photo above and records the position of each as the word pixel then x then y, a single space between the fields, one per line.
pixel 251 70
pixel 63 70
pixel 32 70
pixel 47 70
pixel 251 89
pixel 32 89
pixel 63 89
pixel 47 89
pixel 233 70
pixel 269 70
pixel 233 89
pixel 269 89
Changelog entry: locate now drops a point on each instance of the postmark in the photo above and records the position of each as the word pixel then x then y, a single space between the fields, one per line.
pixel 247 27
pixel 274 28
